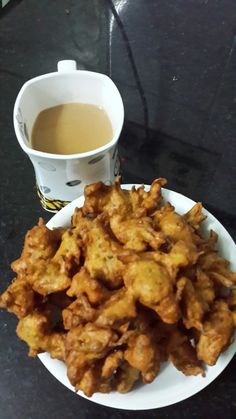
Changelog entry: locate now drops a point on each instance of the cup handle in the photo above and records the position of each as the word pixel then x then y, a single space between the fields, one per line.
pixel 66 65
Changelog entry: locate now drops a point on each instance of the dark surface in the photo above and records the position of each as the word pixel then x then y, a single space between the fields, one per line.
pixel 174 63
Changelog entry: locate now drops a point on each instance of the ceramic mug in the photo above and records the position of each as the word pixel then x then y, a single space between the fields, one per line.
pixel 62 178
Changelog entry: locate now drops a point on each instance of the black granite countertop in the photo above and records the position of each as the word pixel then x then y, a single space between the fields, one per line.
pixel 174 64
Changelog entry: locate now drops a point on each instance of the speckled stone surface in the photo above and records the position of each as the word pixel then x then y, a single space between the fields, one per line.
pixel 174 63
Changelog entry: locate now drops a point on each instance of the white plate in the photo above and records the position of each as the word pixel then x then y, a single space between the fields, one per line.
pixel 170 386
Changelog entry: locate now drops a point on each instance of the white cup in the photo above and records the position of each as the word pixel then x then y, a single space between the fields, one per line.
pixel 61 178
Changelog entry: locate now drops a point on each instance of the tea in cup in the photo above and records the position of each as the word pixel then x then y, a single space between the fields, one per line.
pixel 69 123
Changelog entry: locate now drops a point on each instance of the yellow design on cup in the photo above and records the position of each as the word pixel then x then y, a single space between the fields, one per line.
pixel 49 204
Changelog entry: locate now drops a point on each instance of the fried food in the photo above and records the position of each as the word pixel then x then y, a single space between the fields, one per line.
pixel 126 377
pixel 217 333
pixel 217 268
pixel 143 354
pixel 193 306
pixel 19 298
pixel 194 216
pixel 100 198
pixel 181 255
pixel 111 364
pixel 151 284
pixel 137 233
pixel 185 359
pixel 101 256
pixel 173 225
pixel 35 330
pixel 84 346
pixel 129 285
pixel 40 245
pixel 48 258
pixel 112 199
pixel 117 310
pixel 82 283
pixel 92 381
pixel 78 312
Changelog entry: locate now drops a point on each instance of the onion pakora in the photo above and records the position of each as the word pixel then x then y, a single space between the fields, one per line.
pixel 129 285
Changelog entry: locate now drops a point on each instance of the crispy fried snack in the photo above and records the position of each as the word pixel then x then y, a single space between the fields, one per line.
pixel 137 233
pixel 217 269
pixel 194 216
pixel 126 377
pixel 176 227
pixel 231 300
pixel 19 298
pixel 48 258
pixel 78 312
pixel 117 310
pixel 111 364
pixel 217 333
pixel 129 285
pixel 151 284
pixel 35 329
pixel 82 283
pixel 84 346
pixel 185 359
pixel 112 199
pixel 193 305
pixel 101 256
pixel 143 354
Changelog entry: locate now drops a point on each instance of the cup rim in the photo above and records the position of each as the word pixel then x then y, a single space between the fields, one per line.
pixel 42 154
